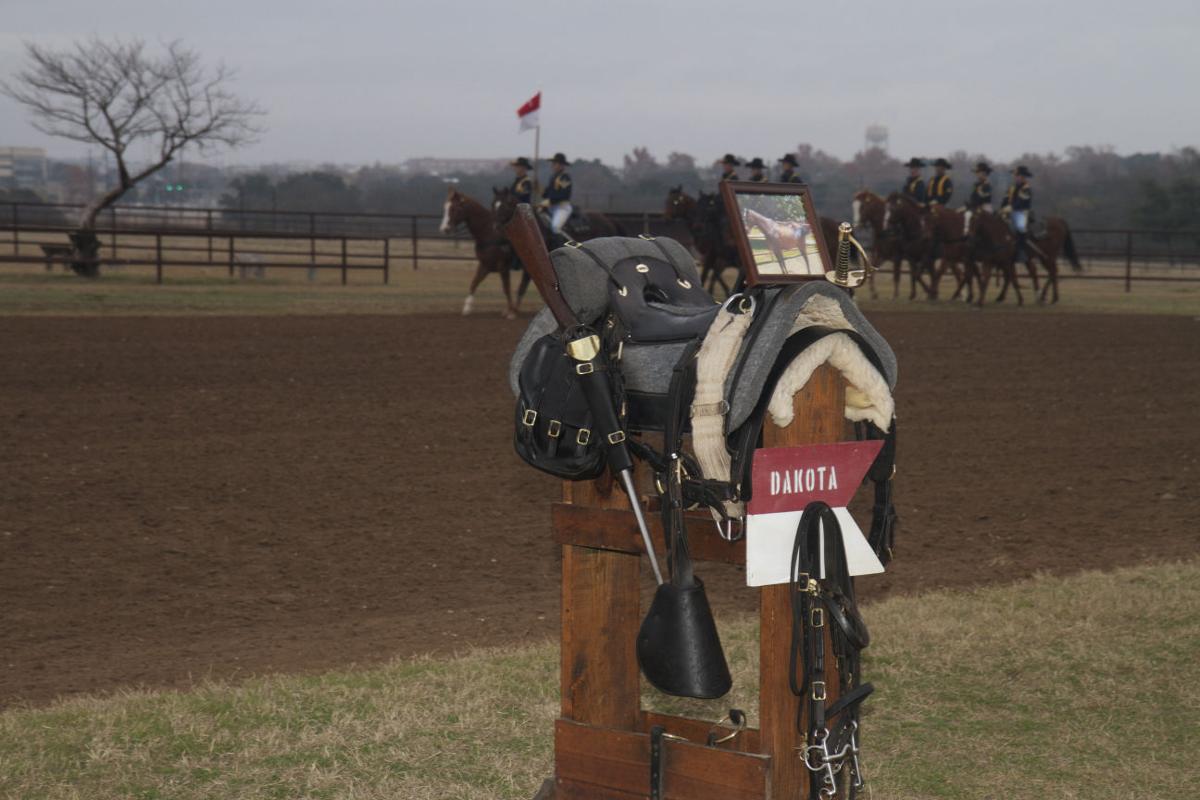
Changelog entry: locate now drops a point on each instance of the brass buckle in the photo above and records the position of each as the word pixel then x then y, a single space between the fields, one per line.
pixel 529 418
pixel 817 617
pixel 554 429
pixel 583 437
pixel 616 438
pixel 586 368
pixel 818 686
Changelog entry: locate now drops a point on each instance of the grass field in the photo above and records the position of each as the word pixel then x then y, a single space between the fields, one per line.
pixel 1081 687
pixel 436 286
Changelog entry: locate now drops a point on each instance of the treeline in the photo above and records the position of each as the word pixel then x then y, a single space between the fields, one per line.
pixel 1091 187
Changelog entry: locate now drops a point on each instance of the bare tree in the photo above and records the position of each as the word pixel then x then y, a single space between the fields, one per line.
pixel 117 95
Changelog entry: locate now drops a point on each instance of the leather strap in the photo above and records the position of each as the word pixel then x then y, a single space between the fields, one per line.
pixel 656 771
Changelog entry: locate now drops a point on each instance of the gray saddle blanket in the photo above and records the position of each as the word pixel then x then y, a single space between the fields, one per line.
pixel 646 367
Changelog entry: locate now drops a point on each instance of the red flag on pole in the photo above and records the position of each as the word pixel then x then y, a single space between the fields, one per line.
pixel 528 113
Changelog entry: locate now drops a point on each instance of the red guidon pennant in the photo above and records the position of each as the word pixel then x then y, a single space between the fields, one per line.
pixel 786 479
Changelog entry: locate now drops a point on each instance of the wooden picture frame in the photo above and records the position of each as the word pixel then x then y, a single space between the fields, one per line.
pixel 783 210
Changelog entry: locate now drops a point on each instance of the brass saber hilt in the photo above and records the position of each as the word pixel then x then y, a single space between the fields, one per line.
pixel 842 275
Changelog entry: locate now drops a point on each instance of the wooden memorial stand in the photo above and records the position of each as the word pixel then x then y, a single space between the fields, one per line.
pixel 601 739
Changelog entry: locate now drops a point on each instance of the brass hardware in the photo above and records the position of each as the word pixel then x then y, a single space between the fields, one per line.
pixel 616 438
pixel 585 369
pixel 554 429
pixel 817 617
pixel 583 437
pixel 818 686
pixel 684 283
pixel 623 291
pixel 529 418
pixel 842 275
pixel 642 268
pixel 585 348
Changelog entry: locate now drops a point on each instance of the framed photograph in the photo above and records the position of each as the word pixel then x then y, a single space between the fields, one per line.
pixel 777 232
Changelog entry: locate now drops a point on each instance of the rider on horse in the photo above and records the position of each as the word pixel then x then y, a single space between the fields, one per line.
pixel 1018 206
pixel 981 192
pixel 522 185
pixel 789 170
pixel 914 187
pixel 557 194
pixel 940 185
pixel 756 170
pixel 728 163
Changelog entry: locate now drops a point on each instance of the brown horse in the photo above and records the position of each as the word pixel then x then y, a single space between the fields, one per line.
pixel 711 235
pixel 1055 241
pixel 494 252
pixel 869 210
pixel 906 222
pixel 948 228
pixel 991 245
pixel 781 236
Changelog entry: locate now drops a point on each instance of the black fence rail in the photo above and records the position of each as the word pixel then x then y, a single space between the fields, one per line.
pixel 204 237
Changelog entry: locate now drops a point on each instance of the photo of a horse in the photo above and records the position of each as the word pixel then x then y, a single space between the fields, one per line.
pixel 778 234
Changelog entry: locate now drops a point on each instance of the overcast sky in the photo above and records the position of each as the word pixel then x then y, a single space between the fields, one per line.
pixel 365 81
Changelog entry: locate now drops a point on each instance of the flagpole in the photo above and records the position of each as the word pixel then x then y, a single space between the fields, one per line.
pixel 537 143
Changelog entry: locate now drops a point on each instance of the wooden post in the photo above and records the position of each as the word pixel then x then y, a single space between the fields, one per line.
pixel 112 222
pixel 343 261
pixel 819 418
pixel 600 598
pixel 387 243
pixel 158 258
pixel 413 231
pixel 231 256
pixel 16 231
pixel 208 225
pixel 1128 261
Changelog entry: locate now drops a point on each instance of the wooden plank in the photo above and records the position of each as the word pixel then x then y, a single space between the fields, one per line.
pixel 616 529
pixel 600 617
pixel 617 760
pixel 574 790
pixel 819 418
pixel 697 731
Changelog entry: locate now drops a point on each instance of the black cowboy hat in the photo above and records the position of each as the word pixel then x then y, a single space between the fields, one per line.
pixel 731 160
pixel 521 161
pixel 789 159
pixel 757 163
pixel 559 158
pixel 941 162
pixel 1023 171
pixel 915 162
pixel 982 166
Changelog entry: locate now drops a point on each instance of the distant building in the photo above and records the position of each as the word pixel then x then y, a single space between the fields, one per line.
pixel 447 166
pixel 22 168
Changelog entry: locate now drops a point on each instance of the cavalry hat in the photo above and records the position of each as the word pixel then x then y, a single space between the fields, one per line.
pixel 559 158
pixel 789 159
pixel 756 163
pixel 941 162
pixel 915 162
pixel 521 161
pixel 982 166
pixel 1023 171
pixel 731 160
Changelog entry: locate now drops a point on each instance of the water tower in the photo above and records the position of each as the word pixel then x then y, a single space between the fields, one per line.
pixel 877 136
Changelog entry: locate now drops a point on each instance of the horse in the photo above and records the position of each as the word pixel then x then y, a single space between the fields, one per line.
pixel 1057 239
pixel 990 242
pixel 494 252
pixel 948 228
pixel 781 236
pixel 709 228
pixel 869 210
pixel 907 222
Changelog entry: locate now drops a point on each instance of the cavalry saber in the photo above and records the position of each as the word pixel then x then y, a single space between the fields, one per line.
pixel 842 275
pixel 526 237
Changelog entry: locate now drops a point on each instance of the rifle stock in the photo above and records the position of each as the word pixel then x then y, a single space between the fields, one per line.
pixel 526 237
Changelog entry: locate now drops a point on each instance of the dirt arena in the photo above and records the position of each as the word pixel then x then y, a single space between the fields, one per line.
pixel 191 496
